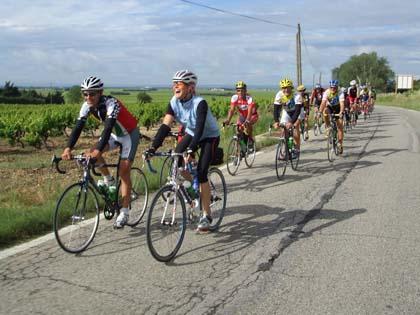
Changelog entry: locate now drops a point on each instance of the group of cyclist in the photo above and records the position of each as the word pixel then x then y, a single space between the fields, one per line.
pixel 200 126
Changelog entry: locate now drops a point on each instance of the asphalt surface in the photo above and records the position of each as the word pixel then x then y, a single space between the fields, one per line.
pixel 330 238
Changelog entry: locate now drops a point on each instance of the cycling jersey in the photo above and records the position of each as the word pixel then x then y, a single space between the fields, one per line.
pixel 112 113
pixel 244 105
pixel 316 96
pixel 333 99
pixel 292 105
pixel 364 95
pixel 110 107
pixel 352 92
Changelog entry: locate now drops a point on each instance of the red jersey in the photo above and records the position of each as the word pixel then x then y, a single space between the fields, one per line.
pixel 244 105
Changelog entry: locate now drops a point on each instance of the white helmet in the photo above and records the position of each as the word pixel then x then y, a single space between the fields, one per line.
pixel 343 89
pixel 185 76
pixel 92 83
pixel 353 82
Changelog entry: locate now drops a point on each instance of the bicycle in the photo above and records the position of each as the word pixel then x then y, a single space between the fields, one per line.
pixel 239 149
pixel 167 217
pixel 317 124
pixel 165 171
pixel 284 152
pixel 347 120
pixel 332 140
pixel 76 215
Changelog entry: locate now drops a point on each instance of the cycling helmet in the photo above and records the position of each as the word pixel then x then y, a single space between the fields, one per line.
pixel 343 89
pixel 286 83
pixel 240 85
pixel 334 83
pixel 185 76
pixel 317 86
pixel 301 88
pixel 92 83
pixel 353 82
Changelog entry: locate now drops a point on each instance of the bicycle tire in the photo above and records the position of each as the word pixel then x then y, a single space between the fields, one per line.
pixel 164 238
pixel 250 156
pixel 218 197
pixel 234 156
pixel 281 158
pixel 316 129
pixel 294 162
pixel 330 149
pixel 76 211
pixel 165 171
pixel 139 196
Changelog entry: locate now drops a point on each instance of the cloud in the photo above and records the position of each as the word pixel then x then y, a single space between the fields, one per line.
pixel 137 42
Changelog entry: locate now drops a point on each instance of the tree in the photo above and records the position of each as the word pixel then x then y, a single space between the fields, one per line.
pixel 144 98
pixel 10 90
pixel 365 68
pixel 73 95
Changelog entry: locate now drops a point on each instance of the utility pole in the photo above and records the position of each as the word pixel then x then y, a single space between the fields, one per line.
pixel 320 77
pixel 298 57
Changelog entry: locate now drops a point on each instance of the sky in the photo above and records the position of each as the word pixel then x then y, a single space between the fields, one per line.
pixel 143 43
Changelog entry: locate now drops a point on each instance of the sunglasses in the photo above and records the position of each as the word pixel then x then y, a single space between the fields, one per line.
pixel 86 94
pixel 239 90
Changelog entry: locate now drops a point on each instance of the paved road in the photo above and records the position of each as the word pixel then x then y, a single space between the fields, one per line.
pixel 331 238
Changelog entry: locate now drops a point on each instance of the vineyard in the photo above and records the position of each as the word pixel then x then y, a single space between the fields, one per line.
pixel 33 125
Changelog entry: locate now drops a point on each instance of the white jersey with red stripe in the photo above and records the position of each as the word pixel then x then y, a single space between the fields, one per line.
pixel 110 107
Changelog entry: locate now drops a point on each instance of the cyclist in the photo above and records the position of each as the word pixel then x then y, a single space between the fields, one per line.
pixel 201 129
pixel 316 98
pixel 343 91
pixel 353 98
pixel 290 106
pixel 364 98
pixel 333 103
pixel 305 110
pixel 372 95
pixel 115 117
pixel 247 108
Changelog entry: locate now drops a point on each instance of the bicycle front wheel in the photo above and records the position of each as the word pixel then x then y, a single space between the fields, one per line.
pixel 165 171
pixel 76 218
pixel 234 157
pixel 139 196
pixel 330 147
pixel 166 224
pixel 282 156
pixel 250 154
pixel 316 129
pixel 218 195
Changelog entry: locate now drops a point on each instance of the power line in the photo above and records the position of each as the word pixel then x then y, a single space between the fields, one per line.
pixel 307 53
pixel 238 14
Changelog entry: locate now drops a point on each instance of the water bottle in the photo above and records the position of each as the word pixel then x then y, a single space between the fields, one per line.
pixel 189 188
pixel 290 142
pixel 243 145
pixel 103 188
pixel 112 192
pixel 194 174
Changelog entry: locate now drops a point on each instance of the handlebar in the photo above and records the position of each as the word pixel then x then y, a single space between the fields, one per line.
pixel 147 156
pixel 81 158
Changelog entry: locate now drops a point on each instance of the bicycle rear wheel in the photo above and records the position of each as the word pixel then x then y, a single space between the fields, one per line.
pixel 281 158
pixel 250 154
pixel 234 156
pixel 166 224
pixel 76 218
pixel 218 197
pixel 139 196
pixel 294 162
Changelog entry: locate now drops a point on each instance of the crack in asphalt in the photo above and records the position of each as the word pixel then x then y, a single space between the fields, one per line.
pixel 294 234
